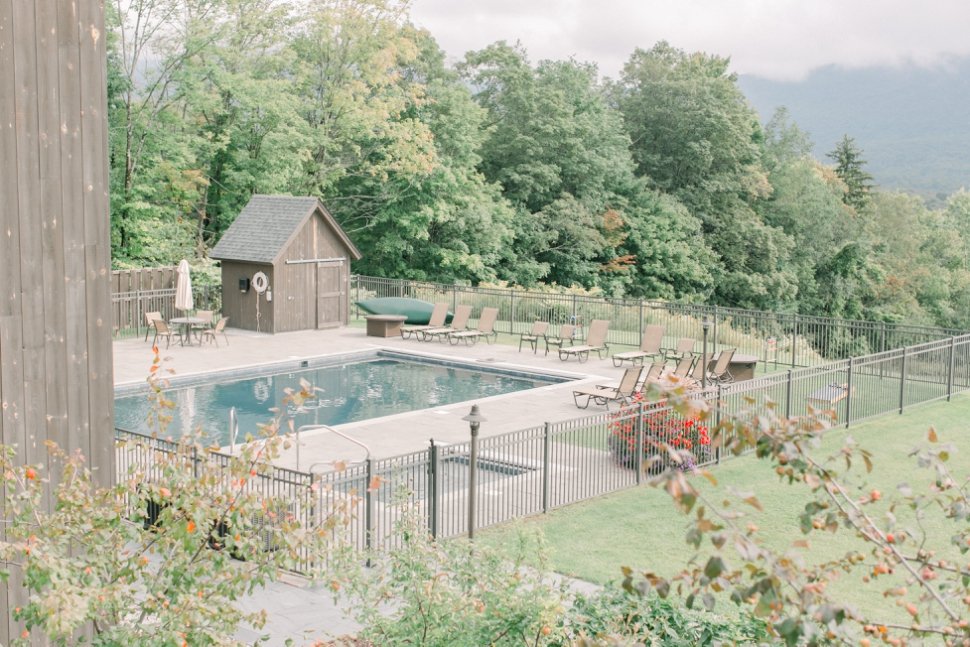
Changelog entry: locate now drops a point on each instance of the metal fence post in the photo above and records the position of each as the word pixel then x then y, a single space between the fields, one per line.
pixel 717 421
pixel 369 507
pixel 546 475
pixel 433 490
pixel 575 309
pixel 511 312
pixel 794 337
pixel 640 316
pixel 638 443
pixel 788 396
pixel 949 368
pixel 848 395
pixel 714 339
pixel 902 383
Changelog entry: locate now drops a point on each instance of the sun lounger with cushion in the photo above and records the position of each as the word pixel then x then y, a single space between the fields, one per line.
pixel 605 394
pixel 438 316
pixel 459 322
pixel 649 347
pixel 486 329
pixel 595 341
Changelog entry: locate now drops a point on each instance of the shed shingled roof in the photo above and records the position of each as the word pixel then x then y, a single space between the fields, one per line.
pixel 265 227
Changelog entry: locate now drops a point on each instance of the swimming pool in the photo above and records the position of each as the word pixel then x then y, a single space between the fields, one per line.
pixel 355 389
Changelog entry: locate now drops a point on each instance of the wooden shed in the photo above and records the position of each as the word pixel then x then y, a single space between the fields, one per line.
pixel 285 266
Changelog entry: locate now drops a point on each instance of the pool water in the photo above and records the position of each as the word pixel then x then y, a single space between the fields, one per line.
pixel 348 393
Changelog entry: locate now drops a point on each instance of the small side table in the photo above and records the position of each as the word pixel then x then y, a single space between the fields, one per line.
pixel 384 325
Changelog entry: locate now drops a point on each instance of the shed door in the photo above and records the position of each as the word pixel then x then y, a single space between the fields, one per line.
pixel 330 295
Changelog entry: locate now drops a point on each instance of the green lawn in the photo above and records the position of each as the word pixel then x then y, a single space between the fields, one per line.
pixel 641 529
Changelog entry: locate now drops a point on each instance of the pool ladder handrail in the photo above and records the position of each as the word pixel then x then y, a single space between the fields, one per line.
pixel 313 427
pixel 233 430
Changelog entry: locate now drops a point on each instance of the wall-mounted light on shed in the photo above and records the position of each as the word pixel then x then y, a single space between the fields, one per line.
pixel 244 285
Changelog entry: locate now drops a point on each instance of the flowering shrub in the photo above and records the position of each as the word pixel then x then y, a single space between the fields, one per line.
pixel 662 428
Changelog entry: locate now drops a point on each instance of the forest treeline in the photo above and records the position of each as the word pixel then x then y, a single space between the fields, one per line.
pixel 661 183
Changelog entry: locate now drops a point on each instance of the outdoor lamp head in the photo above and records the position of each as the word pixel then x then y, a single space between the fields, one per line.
pixel 474 417
pixel 705 323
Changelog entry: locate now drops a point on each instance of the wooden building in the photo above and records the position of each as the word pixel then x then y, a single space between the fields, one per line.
pixel 285 266
pixel 55 303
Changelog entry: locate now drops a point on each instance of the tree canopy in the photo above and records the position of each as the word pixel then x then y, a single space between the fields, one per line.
pixel 661 183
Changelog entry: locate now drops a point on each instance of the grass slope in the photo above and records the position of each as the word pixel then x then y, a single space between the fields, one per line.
pixel 640 527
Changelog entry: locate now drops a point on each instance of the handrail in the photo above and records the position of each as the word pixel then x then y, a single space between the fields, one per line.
pixel 233 429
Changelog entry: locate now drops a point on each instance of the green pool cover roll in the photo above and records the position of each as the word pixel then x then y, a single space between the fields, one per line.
pixel 416 310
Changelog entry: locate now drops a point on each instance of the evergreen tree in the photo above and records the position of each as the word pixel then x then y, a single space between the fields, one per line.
pixel 849 166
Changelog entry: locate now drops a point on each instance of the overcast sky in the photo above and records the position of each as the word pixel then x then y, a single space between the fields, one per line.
pixel 778 39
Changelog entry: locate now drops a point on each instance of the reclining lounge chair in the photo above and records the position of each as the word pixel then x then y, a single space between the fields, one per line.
pixel 539 329
pixel 437 320
pixel 459 322
pixel 605 394
pixel 486 329
pixel 595 341
pixel 649 347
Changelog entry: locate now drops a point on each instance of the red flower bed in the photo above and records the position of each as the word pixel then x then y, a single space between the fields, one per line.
pixel 661 427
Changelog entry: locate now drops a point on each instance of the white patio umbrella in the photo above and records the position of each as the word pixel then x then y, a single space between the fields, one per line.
pixel 183 287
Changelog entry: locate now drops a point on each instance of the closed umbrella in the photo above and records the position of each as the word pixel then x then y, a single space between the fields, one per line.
pixel 183 287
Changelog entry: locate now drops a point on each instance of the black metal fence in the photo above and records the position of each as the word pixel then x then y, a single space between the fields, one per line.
pixel 782 339
pixel 540 468
pixel 128 308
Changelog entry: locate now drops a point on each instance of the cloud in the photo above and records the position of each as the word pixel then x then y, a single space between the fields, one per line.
pixel 779 39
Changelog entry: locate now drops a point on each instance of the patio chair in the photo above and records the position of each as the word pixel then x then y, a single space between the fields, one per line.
pixel 606 394
pixel 719 373
pixel 437 319
pixel 459 322
pixel 162 330
pixel 486 329
pixel 539 329
pixel 210 333
pixel 595 341
pixel 150 318
pixel 566 334
pixel 684 347
pixel 649 347
pixel 207 317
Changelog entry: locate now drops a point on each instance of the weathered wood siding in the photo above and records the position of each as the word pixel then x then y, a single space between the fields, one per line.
pixel 55 308
pixel 295 306
pixel 241 308
pixel 146 278
pixel 333 280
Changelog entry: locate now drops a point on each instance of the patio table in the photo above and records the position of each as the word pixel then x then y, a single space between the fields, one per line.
pixel 186 323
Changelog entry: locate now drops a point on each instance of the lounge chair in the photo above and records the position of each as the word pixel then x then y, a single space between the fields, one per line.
pixel 539 329
pixel 684 347
pixel 486 329
pixel 719 373
pixel 459 322
pixel 162 330
pixel 220 327
pixel 595 341
pixel 150 318
pixel 684 369
pixel 566 334
pixel 605 394
pixel 437 320
pixel 653 337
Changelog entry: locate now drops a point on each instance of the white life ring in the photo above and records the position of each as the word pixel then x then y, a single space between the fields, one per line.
pixel 260 282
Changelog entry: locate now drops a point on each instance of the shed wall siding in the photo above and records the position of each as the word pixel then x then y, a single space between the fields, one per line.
pixel 241 307
pixel 55 318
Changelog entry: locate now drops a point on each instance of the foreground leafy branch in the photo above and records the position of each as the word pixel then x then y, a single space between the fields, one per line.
pixel 790 589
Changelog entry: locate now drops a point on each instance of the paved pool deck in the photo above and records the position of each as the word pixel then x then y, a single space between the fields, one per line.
pixel 390 435
pixel 300 610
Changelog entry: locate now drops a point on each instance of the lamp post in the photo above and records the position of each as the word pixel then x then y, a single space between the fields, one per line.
pixel 475 419
pixel 705 326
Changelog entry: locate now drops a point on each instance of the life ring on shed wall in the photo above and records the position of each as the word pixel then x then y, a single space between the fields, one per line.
pixel 260 282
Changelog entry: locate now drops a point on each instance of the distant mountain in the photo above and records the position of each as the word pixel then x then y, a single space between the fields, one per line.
pixel 912 124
